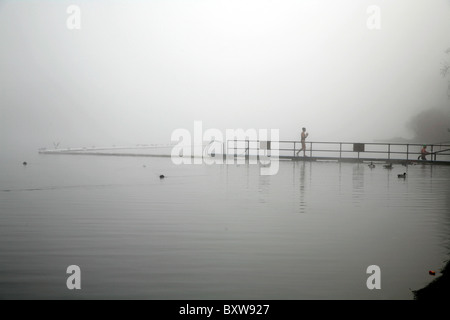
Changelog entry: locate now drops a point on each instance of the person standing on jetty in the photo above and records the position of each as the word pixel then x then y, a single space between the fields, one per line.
pixel 303 138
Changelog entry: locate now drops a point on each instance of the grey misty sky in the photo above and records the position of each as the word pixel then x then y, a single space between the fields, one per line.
pixel 137 70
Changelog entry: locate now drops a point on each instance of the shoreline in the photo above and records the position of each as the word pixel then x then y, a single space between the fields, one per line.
pixel 438 289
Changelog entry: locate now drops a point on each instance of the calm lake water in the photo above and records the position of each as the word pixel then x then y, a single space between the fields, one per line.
pixel 218 231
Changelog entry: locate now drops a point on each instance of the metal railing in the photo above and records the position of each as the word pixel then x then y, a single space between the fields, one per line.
pixel 343 150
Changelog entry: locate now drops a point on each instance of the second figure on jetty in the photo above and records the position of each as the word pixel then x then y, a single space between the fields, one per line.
pixel 304 135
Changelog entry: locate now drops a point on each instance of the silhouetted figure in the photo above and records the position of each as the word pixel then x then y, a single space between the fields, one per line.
pixel 371 165
pixel 402 175
pixel 161 176
pixel 24 163
pixel 304 135
pixel 423 153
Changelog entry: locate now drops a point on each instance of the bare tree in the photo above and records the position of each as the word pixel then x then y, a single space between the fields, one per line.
pixel 430 126
pixel 445 71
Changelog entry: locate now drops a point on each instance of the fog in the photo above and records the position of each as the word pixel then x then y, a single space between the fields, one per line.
pixel 431 126
pixel 138 70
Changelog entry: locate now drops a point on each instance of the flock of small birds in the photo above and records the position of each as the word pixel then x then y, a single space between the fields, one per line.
pixel 389 166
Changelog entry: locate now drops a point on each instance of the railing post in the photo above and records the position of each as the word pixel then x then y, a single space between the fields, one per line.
pixel 340 150
pixel 294 148
pixel 246 149
pixel 432 148
pixel 226 146
pixel 310 149
pixel 389 151
pixel 407 152
pixel 257 150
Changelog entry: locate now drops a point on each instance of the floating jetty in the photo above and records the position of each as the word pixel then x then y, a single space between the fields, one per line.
pixel 126 151
pixel 377 152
